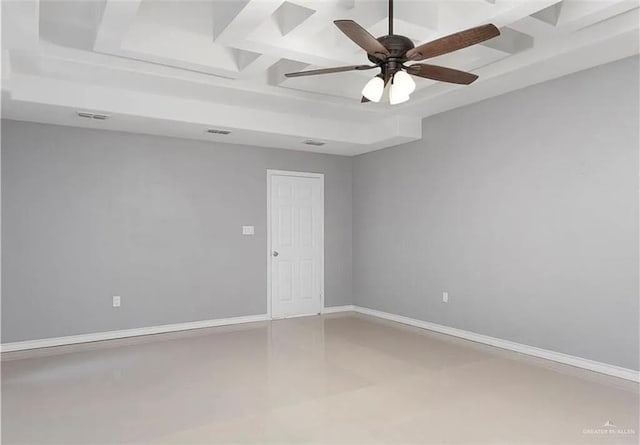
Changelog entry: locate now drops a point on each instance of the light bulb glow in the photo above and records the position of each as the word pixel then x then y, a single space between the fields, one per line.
pixel 404 82
pixel 373 89
pixel 397 95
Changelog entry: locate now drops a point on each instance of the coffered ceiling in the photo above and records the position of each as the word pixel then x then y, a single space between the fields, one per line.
pixel 178 68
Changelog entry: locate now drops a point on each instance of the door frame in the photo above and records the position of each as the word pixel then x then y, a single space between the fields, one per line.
pixel 270 174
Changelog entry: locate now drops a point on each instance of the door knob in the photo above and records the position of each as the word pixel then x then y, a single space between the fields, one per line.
pixel 275 253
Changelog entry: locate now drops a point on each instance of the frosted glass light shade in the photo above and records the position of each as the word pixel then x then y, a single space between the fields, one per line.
pixel 397 95
pixel 404 83
pixel 373 89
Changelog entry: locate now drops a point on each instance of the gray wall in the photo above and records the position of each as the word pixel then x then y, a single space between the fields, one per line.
pixel 523 207
pixel 90 214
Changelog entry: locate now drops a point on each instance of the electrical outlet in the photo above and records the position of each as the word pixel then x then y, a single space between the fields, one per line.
pixel 445 297
pixel 116 301
pixel 248 230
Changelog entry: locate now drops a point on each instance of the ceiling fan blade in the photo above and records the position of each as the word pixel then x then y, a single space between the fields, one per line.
pixel 338 69
pixel 441 73
pixel 453 42
pixel 362 38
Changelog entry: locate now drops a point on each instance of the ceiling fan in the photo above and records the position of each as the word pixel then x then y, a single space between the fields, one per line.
pixel 390 53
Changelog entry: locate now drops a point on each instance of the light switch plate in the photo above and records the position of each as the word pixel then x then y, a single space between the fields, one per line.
pixel 445 297
pixel 248 230
pixel 116 301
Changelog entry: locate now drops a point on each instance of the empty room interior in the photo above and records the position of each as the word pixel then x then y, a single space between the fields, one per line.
pixel 320 221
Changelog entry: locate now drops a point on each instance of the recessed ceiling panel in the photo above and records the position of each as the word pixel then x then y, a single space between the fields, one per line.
pixel 510 41
pixel 224 13
pixel 289 15
pixel 549 14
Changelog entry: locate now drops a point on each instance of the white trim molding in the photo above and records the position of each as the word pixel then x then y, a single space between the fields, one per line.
pixel 112 335
pixel 572 360
pixel 150 330
pixel 579 362
pixel 335 309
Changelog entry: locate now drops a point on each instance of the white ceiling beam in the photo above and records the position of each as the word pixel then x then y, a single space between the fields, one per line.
pixel 317 42
pixel 257 71
pixel 512 11
pixel 249 18
pixel 579 14
pixel 82 63
pixel 116 20
pixel 539 29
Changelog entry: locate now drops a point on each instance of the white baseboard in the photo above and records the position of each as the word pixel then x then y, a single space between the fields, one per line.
pixel 603 368
pixel 591 365
pixel 334 309
pixel 111 335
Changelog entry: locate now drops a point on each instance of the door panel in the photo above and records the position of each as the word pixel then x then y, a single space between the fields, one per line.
pixel 306 278
pixel 285 280
pixel 297 219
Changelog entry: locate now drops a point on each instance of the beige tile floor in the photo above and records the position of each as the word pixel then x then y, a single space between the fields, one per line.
pixel 343 378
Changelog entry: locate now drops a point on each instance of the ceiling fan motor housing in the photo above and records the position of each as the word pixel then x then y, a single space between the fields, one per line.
pixel 397 45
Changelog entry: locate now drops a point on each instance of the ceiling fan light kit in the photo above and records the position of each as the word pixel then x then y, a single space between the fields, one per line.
pixel 396 95
pixel 404 81
pixel 374 89
pixel 390 53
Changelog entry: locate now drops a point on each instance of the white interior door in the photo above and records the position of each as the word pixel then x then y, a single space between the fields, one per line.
pixel 297 243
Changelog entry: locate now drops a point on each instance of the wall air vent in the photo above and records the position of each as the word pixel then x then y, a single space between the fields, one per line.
pixel 88 115
pixel 314 143
pixel 214 131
